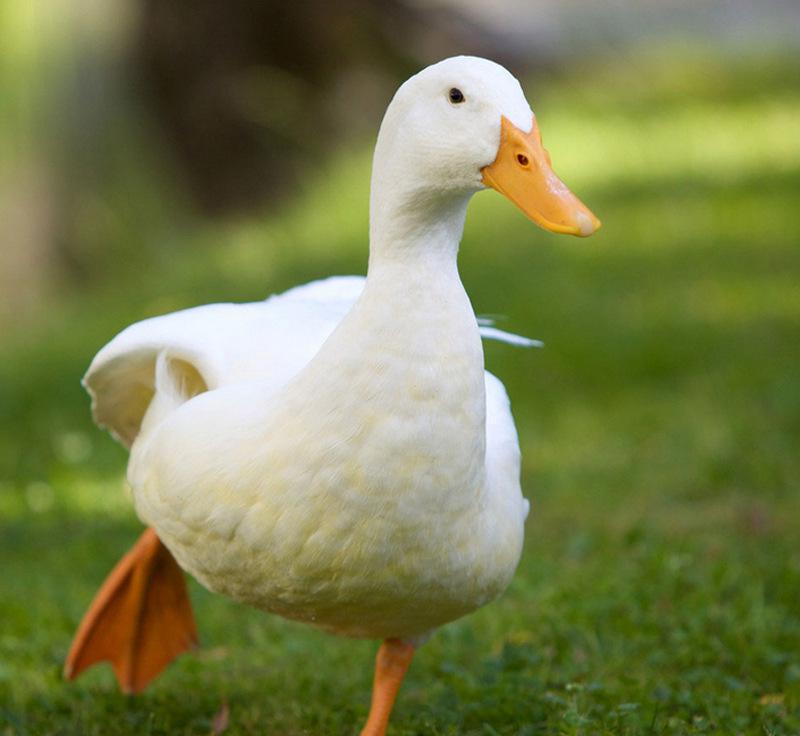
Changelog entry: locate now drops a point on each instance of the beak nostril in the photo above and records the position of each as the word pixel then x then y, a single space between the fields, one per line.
pixel 523 159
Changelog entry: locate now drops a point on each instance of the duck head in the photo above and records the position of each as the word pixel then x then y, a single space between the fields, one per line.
pixel 462 125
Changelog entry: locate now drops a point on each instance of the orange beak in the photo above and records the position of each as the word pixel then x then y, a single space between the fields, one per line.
pixel 522 172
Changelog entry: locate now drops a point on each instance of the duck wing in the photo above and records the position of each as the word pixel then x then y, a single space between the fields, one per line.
pixel 221 344
pixel 503 457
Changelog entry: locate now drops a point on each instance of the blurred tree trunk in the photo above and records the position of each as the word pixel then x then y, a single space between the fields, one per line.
pixel 249 91
pixel 27 234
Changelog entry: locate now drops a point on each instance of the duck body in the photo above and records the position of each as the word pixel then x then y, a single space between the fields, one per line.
pixel 354 495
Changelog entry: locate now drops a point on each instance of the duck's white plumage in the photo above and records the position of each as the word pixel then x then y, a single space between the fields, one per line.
pixel 337 454
pixel 150 376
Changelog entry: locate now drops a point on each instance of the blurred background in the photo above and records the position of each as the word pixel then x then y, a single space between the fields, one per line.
pixel 157 155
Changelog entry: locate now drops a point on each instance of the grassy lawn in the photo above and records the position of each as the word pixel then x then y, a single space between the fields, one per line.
pixel 659 592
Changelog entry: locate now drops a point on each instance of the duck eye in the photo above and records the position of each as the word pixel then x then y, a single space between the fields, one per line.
pixel 456 95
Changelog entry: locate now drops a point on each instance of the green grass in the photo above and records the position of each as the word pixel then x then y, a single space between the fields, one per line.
pixel 659 592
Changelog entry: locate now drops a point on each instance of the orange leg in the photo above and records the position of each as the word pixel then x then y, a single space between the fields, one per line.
pixel 391 665
pixel 140 619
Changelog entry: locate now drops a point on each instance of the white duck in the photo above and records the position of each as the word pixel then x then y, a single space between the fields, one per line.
pixel 336 454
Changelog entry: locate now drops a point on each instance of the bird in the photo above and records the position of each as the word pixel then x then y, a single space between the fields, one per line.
pixel 336 454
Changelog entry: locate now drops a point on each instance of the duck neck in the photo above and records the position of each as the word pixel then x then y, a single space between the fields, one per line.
pixel 414 239
pixel 421 229
pixel 416 216
pixel 415 304
pixel 409 353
